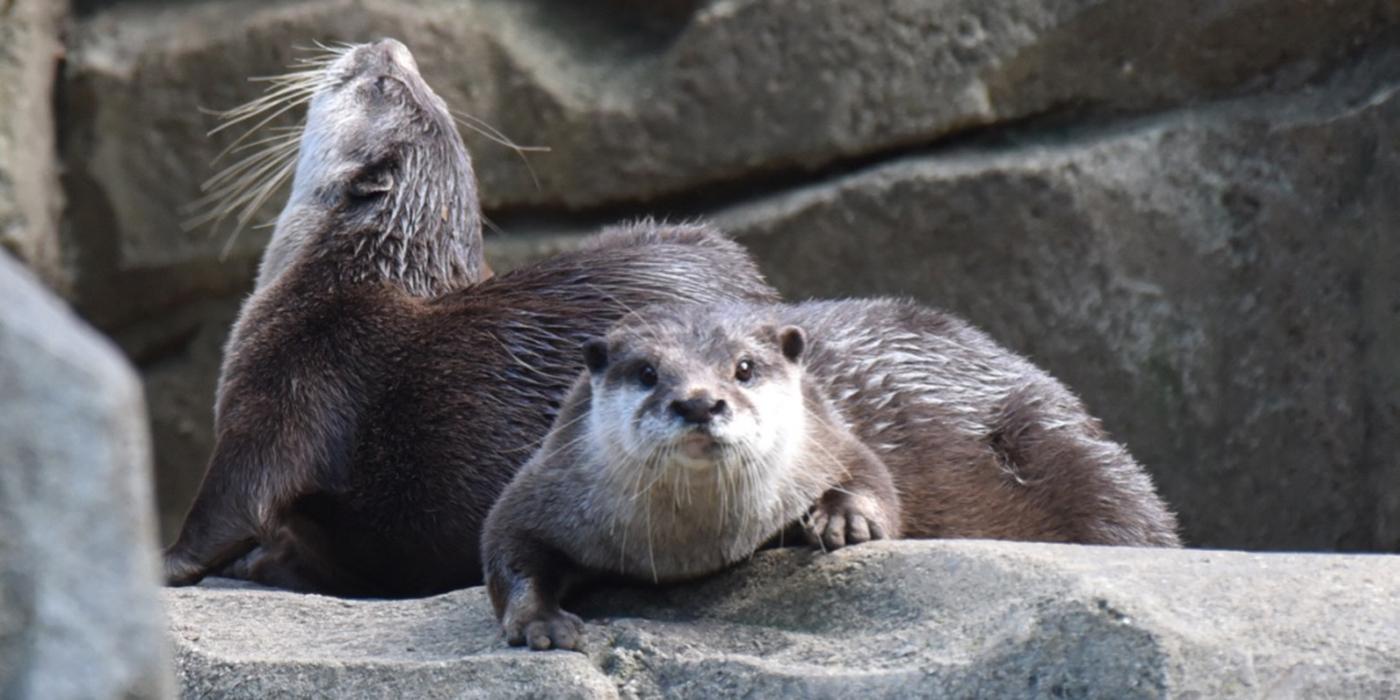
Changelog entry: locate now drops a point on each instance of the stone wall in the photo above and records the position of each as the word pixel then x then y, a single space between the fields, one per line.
pixel 30 52
pixel 1184 210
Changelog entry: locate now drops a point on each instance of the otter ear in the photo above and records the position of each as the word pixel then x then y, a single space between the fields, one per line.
pixel 595 355
pixel 793 341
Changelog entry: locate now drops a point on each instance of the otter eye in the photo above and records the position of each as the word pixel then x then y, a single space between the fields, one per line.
pixel 744 370
pixel 372 182
pixel 647 376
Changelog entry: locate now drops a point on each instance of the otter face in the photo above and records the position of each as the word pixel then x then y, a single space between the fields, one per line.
pixel 381 162
pixel 696 391
pixel 366 122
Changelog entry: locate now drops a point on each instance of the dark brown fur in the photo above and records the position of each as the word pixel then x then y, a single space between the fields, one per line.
pixel 953 435
pixel 363 433
pixel 376 395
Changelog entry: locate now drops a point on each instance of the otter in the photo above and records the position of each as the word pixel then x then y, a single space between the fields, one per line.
pixel 377 391
pixel 699 434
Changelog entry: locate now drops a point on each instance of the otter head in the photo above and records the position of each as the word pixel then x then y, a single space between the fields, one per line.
pixel 383 182
pixel 686 389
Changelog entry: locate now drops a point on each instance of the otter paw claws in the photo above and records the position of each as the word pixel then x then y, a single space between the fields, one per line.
pixel 835 522
pixel 546 630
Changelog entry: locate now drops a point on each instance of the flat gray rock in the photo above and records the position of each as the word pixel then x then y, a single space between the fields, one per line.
pixel 936 618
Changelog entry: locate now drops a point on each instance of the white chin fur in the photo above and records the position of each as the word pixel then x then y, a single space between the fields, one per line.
pixel 693 464
pixel 779 403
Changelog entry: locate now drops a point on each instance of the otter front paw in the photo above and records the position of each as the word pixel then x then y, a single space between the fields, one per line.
pixel 841 518
pixel 544 629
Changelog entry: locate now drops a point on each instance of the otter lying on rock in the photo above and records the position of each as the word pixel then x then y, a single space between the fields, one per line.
pixel 700 433
pixel 376 394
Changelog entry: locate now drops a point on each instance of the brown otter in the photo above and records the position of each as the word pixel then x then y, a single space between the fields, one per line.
pixel 375 397
pixel 699 433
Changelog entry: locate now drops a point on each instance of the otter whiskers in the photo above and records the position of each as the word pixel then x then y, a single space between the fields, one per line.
pixel 493 134
pixel 243 187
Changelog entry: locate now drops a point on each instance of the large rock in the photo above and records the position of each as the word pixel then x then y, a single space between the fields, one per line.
pixel 29 193
pixel 639 103
pixel 909 619
pixel 79 612
pixel 1222 286
pixel 1181 210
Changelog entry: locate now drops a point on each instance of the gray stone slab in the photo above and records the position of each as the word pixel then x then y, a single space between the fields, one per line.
pixel 902 619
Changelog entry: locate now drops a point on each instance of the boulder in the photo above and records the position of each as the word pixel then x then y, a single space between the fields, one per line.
pixel 903 619
pixel 1182 211
pixel 643 100
pixel 1218 283
pixel 30 199
pixel 80 615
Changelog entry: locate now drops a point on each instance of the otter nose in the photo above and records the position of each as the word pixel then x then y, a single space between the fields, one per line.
pixel 384 55
pixel 396 53
pixel 698 410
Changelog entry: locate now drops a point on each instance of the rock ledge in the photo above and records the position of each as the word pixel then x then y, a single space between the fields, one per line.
pixel 955 618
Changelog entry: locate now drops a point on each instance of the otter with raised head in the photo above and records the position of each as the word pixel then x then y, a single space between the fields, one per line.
pixel 376 395
pixel 698 434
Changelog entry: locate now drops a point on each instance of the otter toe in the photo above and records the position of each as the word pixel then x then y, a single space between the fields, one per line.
pixel 834 537
pixel 814 525
pixel 537 635
pixel 857 529
pixel 559 631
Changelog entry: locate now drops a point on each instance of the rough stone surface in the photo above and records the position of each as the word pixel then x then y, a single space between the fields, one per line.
pixel 1183 210
pixel 642 103
pixel 1220 285
pixel 907 619
pixel 29 193
pixel 80 615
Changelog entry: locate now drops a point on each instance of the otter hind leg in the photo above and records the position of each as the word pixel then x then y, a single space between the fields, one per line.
pixel 216 533
pixel 1088 487
pixel 259 469
pixel 298 557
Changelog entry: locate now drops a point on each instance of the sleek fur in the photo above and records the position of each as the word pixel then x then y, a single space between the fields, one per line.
pixel 898 421
pixel 375 396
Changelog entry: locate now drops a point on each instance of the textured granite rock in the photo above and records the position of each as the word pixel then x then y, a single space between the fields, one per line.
pixel 908 619
pixel 1182 210
pixel 640 103
pixel 1219 284
pixel 29 192
pixel 80 615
